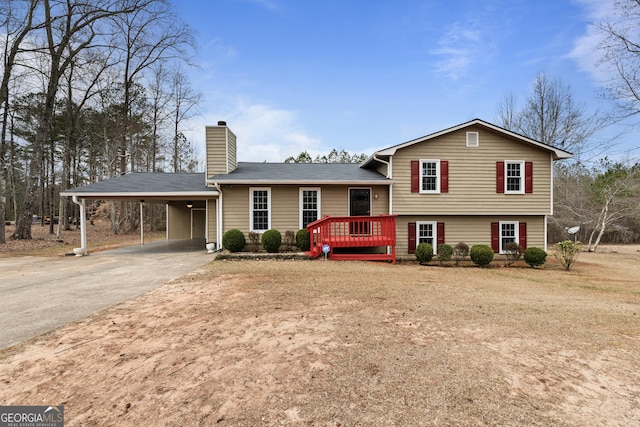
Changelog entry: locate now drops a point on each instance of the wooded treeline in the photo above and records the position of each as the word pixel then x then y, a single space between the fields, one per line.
pixel 90 90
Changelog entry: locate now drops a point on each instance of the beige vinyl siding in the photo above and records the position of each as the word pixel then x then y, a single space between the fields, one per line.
pixel 285 204
pixel 382 169
pixel 212 223
pixel 231 151
pixel 235 203
pixel 179 222
pixel 471 230
pixel 221 150
pixel 472 176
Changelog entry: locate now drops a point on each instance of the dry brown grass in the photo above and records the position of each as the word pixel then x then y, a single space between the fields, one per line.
pixel 43 243
pixel 262 343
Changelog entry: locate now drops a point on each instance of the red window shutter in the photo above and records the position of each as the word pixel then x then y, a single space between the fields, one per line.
pixel 528 177
pixel 444 176
pixel 495 237
pixel 412 237
pixel 441 233
pixel 415 176
pixel 522 235
pixel 499 177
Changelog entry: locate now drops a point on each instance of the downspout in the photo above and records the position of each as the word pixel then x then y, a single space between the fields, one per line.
pixel 388 176
pixel 83 225
pixel 218 217
pixel 375 157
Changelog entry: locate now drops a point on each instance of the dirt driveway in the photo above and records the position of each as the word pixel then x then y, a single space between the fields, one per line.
pixel 321 343
pixel 38 294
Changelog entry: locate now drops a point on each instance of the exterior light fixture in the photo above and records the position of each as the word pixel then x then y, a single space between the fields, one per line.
pixel 189 204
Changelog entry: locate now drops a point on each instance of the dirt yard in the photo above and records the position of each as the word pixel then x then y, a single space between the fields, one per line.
pixel 321 343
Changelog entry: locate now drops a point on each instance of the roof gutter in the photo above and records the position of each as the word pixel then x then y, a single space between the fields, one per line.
pixel 82 250
pixel 375 157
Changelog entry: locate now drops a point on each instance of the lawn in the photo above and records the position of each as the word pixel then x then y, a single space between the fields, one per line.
pixel 326 343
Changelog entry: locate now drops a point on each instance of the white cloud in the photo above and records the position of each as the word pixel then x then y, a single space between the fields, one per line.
pixel 459 48
pixel 585 50
pixel 264 133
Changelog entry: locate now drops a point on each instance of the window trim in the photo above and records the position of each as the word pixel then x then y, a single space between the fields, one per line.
pixel 437 176
pixel 516 226
pixel 521 178
pixel 434 225
pixel 301 203
pixel 251 209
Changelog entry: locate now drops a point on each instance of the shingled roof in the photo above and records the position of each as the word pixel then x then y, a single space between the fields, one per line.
pixel 300 173
pixel 146 184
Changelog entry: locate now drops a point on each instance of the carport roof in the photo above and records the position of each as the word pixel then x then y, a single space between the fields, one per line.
pixel 147 184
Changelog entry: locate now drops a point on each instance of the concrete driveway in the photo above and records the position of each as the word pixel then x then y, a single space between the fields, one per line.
pixel 38 294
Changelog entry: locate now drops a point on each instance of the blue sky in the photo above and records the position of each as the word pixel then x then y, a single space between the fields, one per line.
pixel 360 75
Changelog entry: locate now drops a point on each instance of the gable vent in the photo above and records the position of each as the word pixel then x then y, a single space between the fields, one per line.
pixel 472 139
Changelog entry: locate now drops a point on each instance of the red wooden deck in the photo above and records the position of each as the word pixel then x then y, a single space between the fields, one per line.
pixel 354 232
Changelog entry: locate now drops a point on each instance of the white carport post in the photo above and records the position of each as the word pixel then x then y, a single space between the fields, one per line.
pixel 141 222
pixel 83 224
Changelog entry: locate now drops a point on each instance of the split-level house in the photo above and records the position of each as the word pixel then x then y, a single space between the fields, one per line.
pixel 475 183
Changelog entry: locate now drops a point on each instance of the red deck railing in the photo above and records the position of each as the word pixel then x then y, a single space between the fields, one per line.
pixel 354 232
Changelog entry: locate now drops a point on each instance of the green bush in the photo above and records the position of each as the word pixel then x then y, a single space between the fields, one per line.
pixel 535 256
pixel 460 252
pixel 302 239
pixel 481 254
pixel 445 252
pixel 513 252
pixel 567 252
pixel 233 240
pixel 424 253
pixel 271 240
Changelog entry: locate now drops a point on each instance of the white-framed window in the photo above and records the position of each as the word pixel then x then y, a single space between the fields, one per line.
pixel 514 176
pixel 427 232
pixel 508 233
pixel 309 205
pixel 472 139
pixel 429 176
pixel 260 208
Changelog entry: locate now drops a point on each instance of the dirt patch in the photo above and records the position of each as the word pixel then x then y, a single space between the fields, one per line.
pixel 252 343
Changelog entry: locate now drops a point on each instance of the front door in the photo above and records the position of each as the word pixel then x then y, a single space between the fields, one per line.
pixel 359 205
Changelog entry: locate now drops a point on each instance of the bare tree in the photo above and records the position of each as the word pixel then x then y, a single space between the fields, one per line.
pixel 18 20
pixel 551 116
pixel 617 192
pixel 150 35
pixel 184 101
pixel 621 53
pixel 159 100
pixel 70 28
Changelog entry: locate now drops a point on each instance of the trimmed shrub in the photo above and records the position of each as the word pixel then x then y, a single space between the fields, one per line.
pixel 535 256
pixel 567 252
pixel 513 252
pixel 424 253
pixel 271 240
pixel 460 252
pixel 445 252
pixel 481 254
pixel 233 240
pixel 302 239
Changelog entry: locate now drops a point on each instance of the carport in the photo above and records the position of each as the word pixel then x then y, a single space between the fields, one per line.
pixel 190 204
